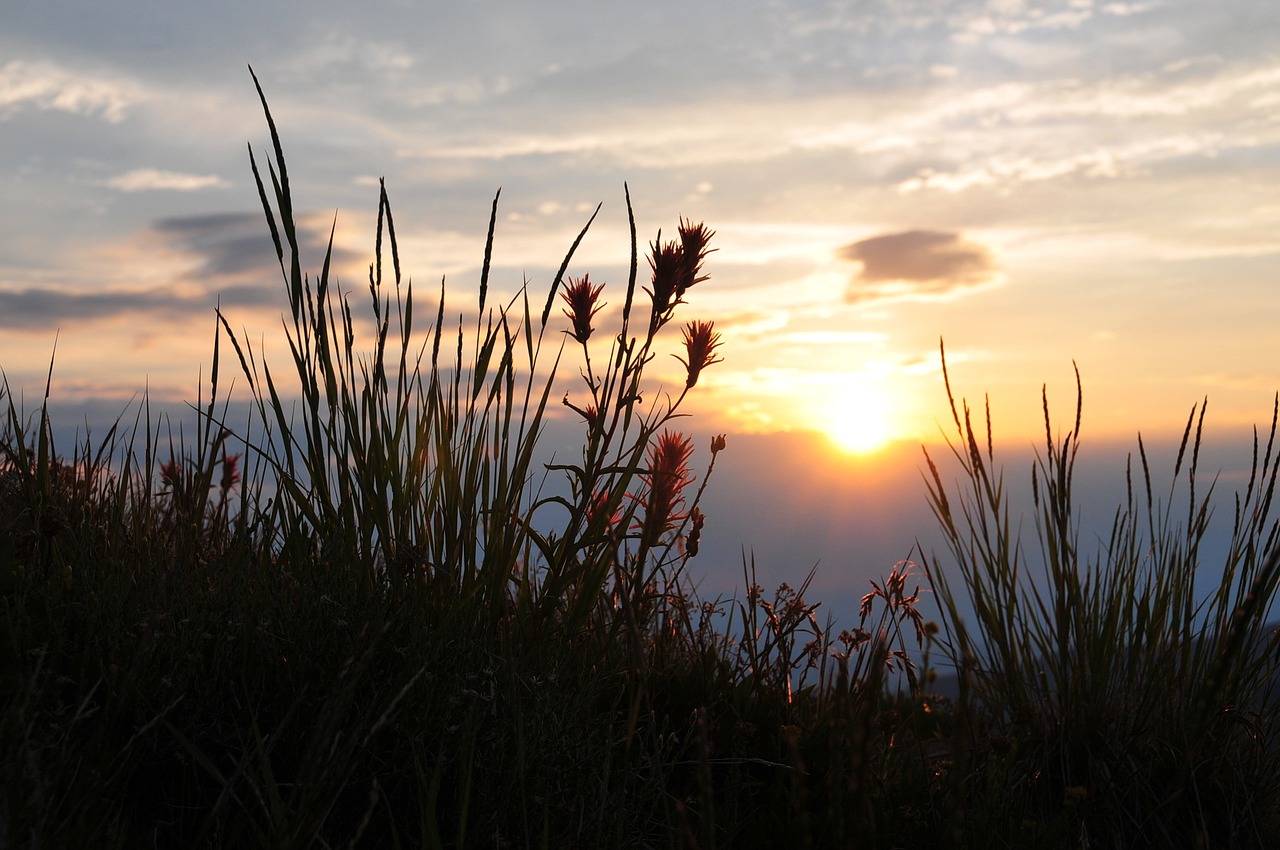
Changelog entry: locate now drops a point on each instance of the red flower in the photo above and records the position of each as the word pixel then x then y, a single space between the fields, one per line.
pixel 667 262
pixel 230 471
pixel 693 250
pixel 700 343
pixel 667 477
pixel 171 473
pixel 581 297
pixel 677 266
pixel 591 415
pixel 598 513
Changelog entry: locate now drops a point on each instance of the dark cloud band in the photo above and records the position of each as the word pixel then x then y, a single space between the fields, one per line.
pixel 236 267
pixel 44 307
pixel 237 245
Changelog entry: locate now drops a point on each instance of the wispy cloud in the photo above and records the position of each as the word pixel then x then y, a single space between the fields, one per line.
pixel 1013 18
pixel 1133 96
pixel 999 136
pixel 332 49
pixel 44 85
pixel 831 338
pixel 1101 161
pixel 1002 18
pixel 143 179
pixel 915 264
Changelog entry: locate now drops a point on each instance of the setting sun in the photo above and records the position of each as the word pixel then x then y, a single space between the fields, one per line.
pixel 857 418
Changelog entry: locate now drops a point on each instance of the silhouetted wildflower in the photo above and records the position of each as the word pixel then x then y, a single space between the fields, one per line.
pixel 667 262
pixel 598 514
pixel 590 414
pixel 695 533
pixel 171 473
pixel 667 477
pixel 581 296
pixel 230 472
pixel 677 266
pixel 693 250
pixel 700 343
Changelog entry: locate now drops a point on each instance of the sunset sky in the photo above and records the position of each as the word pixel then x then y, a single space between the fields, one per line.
pixel 1036 183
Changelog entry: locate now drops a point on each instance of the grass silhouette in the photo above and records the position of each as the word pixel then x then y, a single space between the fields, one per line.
pixel 361 621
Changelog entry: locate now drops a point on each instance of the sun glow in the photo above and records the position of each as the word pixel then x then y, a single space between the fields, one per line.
pixel 857 418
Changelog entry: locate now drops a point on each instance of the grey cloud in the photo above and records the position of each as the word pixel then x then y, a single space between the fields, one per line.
pixel 238 245
pixel 40 307
pixel 45 307
pixel 210 222
pixel 236 267
pixel 916 263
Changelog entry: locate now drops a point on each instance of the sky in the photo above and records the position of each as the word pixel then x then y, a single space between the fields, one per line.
pixel 1043 185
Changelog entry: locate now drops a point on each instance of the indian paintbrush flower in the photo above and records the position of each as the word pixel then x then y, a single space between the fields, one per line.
pixel 590 414
pixel 598 514
pixel 171 473
pixel 581 296
pixel 230 472
pixel 693 250
pixel 667 262
pixel 700 343
pixel 667 477
pixel 677 266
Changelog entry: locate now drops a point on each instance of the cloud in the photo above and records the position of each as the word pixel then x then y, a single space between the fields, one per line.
pixel 1097 163
pixel 915 264
pixel 1011 134
pixel 1000 18
pixel 237 247
pixel 227 259
pixel 43 85
pixel 823 339
pixel 142 179
pixel 1014 21
pixel 47 307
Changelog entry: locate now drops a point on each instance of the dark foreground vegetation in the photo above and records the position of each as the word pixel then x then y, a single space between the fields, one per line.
pixel 359 621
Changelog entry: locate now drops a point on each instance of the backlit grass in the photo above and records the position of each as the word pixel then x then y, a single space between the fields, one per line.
pixel 375 616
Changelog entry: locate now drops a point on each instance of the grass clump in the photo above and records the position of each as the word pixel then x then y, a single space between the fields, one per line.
pixel 365 618
pixel 376 615
pixel 1110 701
